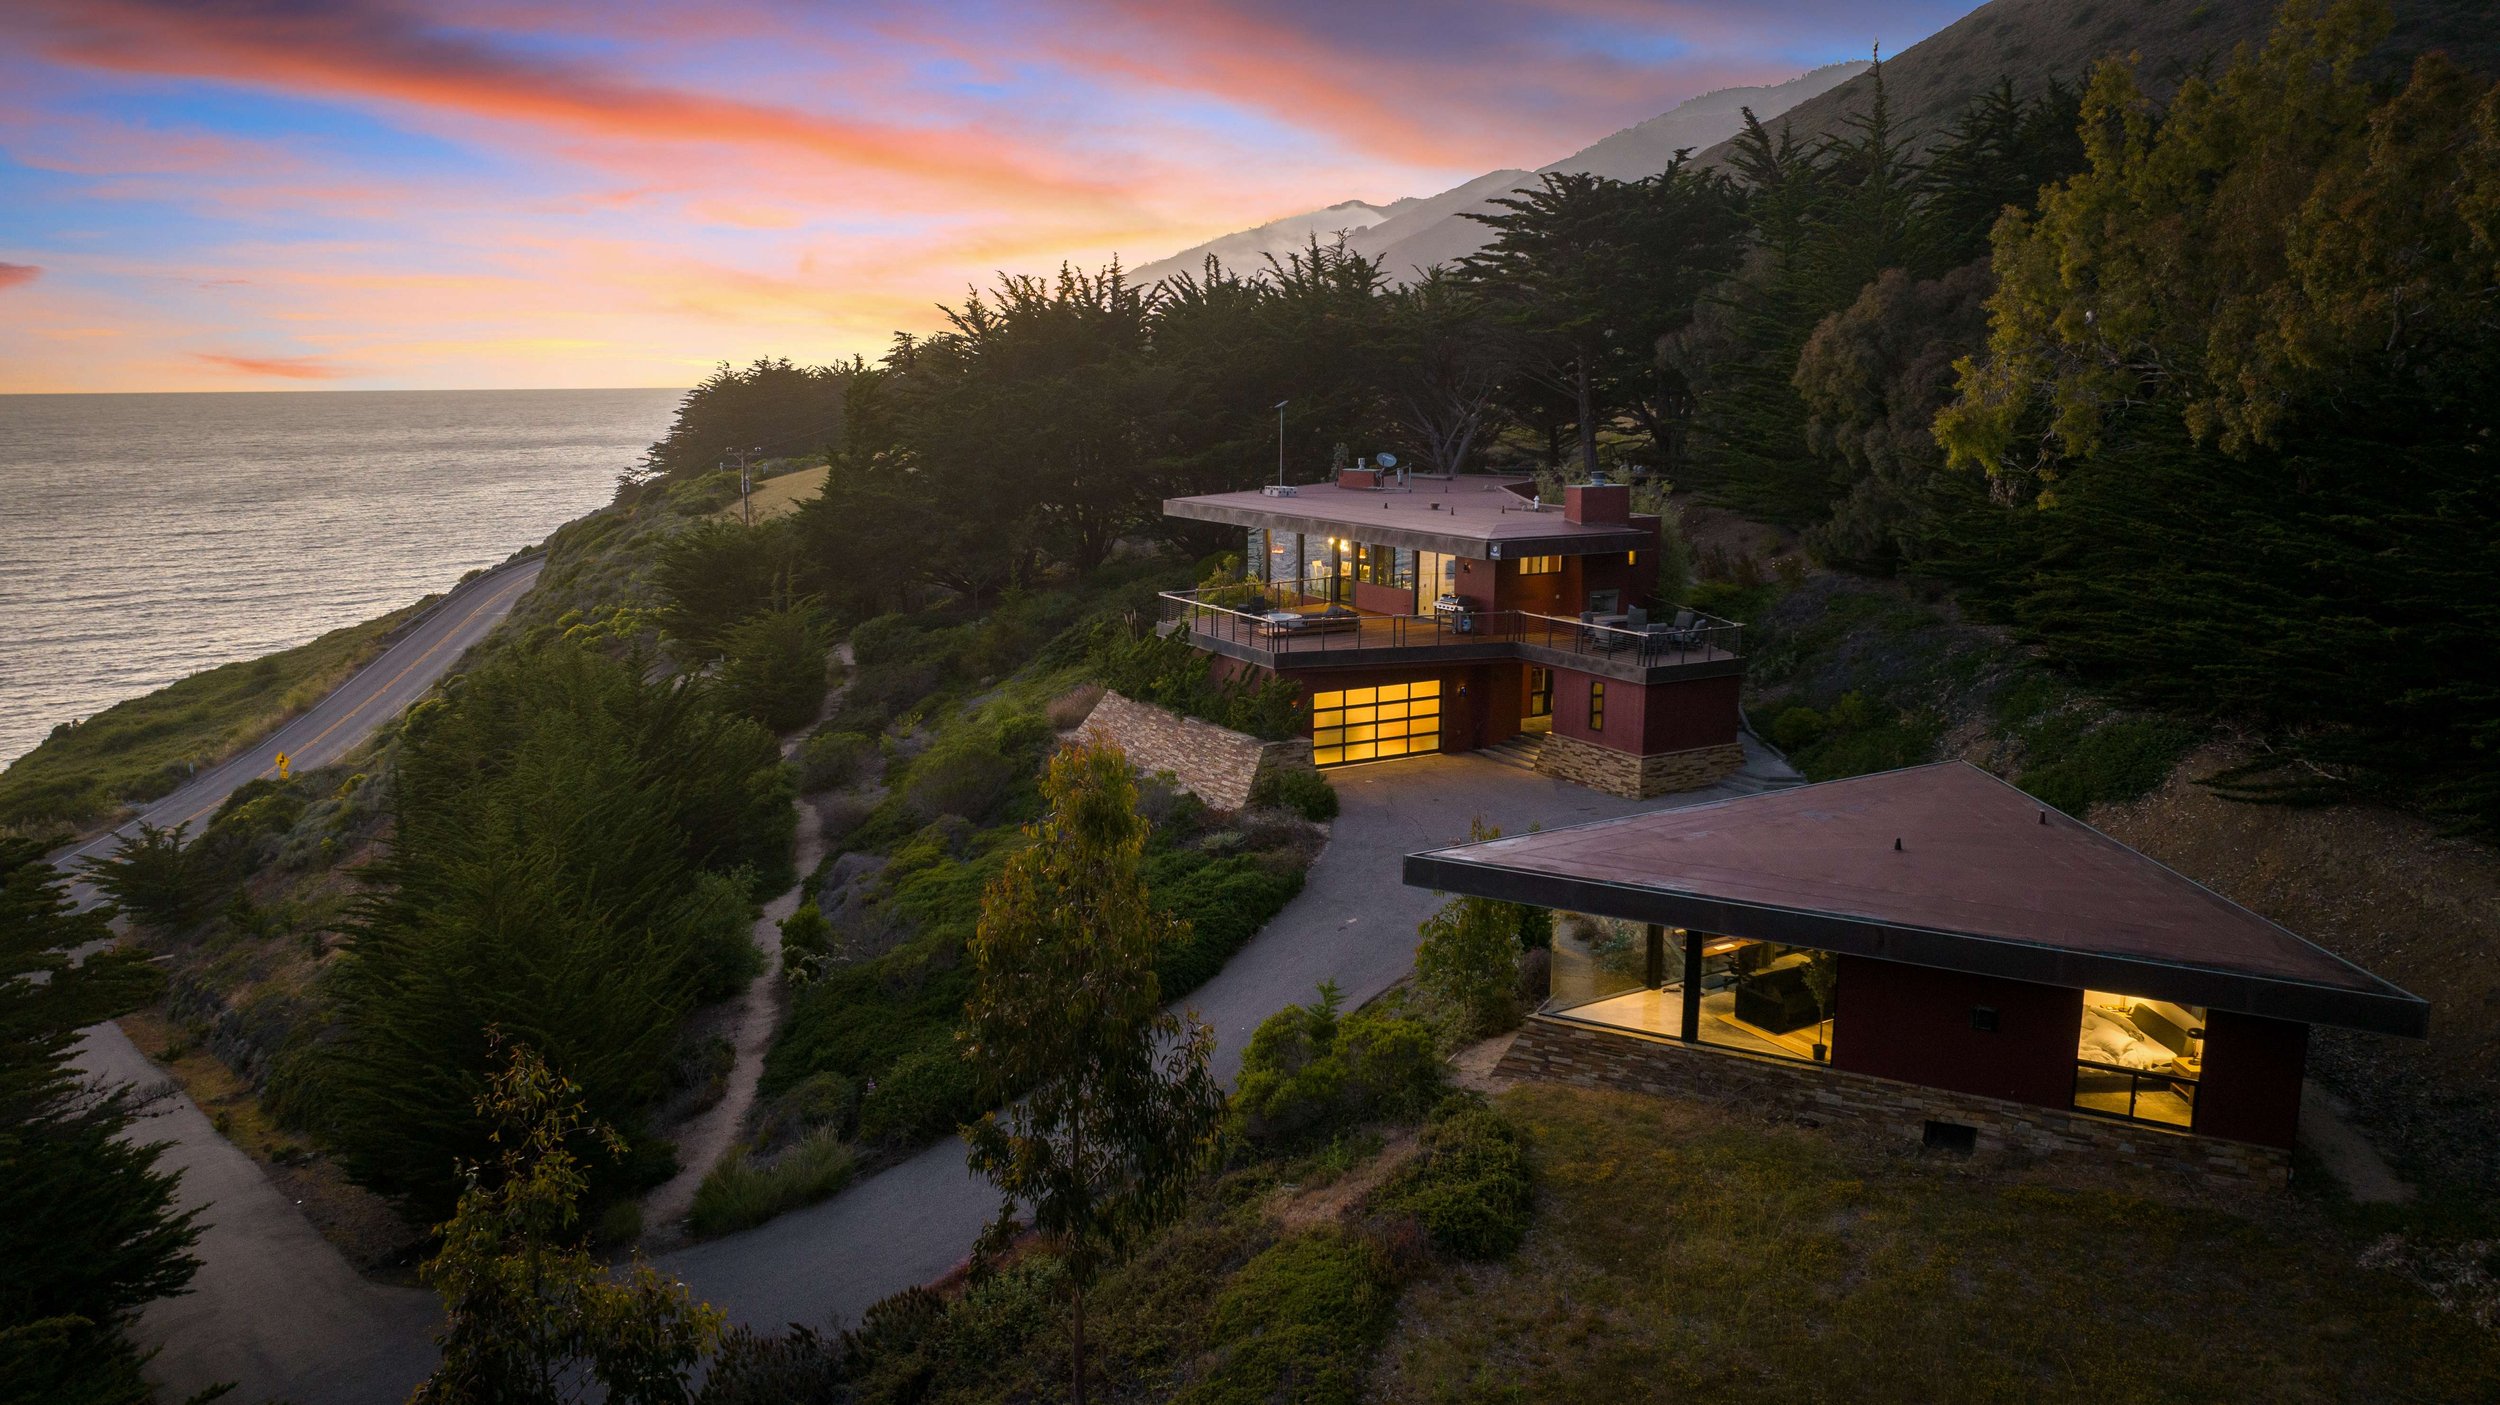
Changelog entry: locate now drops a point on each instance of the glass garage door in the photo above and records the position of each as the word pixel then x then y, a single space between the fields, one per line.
pixel 1372 724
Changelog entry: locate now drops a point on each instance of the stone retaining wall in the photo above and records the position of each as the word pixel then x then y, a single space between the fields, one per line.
pixel 1637 777
pixel 1216 764
pixel 1561 1051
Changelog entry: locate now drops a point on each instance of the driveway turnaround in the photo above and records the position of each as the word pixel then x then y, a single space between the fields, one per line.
pixel 274 1307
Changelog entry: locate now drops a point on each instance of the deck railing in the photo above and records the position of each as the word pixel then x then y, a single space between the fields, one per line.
pixel 1279 617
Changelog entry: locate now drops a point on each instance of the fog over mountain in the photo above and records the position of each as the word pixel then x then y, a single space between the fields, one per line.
pixel 1420 231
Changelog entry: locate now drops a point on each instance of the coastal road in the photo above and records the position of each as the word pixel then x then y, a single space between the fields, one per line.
pixel 340 722
pixel 275 1308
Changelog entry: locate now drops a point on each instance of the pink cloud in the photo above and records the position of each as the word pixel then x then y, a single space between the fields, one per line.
pixel 374 51
pixel 14 275
pixel 294 368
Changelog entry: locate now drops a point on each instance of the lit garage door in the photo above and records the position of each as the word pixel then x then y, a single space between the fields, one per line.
pixel 1371 724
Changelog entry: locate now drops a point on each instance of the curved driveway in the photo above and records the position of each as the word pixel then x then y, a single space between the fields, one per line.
pixel 274 1307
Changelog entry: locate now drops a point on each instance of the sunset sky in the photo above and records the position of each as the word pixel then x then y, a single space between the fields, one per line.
pixel 286 194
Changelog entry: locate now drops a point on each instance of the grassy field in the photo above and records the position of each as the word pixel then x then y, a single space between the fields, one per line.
pixel 1682 1252
pixel 779 494
pixel 142 748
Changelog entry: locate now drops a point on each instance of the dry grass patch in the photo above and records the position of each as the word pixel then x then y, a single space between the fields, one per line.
pixel 1681 1252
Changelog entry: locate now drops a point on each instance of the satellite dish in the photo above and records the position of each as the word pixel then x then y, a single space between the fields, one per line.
pixel 1387 460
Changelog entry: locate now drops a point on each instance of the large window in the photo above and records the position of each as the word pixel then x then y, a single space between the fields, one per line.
pixel 1374 724
pixel 1756 996
pixel 1540 565
pixel 2139 1059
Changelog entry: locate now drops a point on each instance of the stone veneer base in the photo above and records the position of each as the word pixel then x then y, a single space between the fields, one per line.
pixel 1218 765
pixel 1556 1050
pixel 1637 777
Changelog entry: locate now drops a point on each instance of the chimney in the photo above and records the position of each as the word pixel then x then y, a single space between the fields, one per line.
pixel 1598 504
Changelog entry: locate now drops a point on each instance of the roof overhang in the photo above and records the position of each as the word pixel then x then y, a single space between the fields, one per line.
pixel 2388 1010
pixel 1578 541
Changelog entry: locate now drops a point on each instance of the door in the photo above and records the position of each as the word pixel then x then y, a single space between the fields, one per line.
pixel 1374 724
pixel 1539 715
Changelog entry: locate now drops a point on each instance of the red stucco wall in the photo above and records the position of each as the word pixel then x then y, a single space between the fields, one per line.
pixel 1913 1023
pixel 1677 716
pixel 2250 1091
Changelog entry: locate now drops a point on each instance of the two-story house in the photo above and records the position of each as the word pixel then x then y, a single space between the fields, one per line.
pixel 1453 614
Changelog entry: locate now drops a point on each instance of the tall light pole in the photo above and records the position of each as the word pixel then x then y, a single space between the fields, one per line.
pixel 746 481
pixel 1280 441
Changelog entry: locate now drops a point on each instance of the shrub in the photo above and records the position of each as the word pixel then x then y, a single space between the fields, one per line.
pixel 1796 728
pixel 773 666
pixel 740 1194
pixel 1309 1071
pixel 825 1102
pixel 797 1365
pixel 717 918
pixel 1472 1187
pixel 805 933
pixel 1298 1323
pixel 838 817
pixel 2117 761
pixel 834 761
pixel 1307 793
pixel 924 1095
pixel 1225 899
pixel 1467 965
pixel 972 768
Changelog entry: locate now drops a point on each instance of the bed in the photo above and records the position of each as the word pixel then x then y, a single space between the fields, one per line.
pixel 2111 1038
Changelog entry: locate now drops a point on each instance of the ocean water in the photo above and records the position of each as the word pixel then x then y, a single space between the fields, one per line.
pixel 146 537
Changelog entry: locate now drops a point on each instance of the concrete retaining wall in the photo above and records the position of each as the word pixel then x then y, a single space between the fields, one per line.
pixel 1216 764
pixel 1561 1051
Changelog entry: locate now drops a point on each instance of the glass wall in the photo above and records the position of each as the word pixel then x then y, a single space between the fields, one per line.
pixel 1756 996
pixel 2138 1058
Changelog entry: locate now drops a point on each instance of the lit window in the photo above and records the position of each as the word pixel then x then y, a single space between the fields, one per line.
pixel 1597 707
pixel 2139 1058
pixel 1540 565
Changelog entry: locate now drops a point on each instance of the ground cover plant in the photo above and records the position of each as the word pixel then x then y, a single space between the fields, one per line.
pixel 1903 1279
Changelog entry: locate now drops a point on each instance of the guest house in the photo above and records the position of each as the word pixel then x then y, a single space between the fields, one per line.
pixel 1931 952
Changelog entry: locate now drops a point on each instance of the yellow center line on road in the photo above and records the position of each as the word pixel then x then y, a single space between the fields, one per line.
pixel 369 697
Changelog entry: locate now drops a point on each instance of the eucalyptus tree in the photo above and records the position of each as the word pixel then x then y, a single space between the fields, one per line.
pixel 1118 1111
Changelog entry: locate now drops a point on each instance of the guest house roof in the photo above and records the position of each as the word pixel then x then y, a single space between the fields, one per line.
pixel 1942 866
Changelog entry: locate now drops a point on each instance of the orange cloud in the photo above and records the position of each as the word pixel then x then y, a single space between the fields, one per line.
pixel 293 368
pixel 14 274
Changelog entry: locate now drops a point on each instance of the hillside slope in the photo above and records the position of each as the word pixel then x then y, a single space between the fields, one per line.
pixel 2035 41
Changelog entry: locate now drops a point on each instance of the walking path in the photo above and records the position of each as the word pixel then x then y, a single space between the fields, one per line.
pixel 704 1138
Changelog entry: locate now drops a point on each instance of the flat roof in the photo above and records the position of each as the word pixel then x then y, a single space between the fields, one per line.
pixel 1983 879
pixel 1469 516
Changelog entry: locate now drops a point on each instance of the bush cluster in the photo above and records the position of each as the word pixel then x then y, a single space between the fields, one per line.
pixel 1473 1185
pixel 1306 793
pixel 743 1191
pixel 1298 1323
pixel 1310 1071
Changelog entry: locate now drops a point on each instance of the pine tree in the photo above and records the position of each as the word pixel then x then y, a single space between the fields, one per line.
pixel 87 1224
